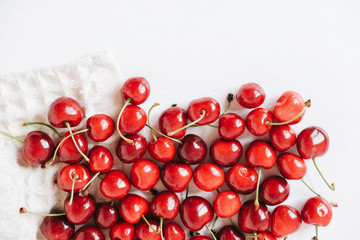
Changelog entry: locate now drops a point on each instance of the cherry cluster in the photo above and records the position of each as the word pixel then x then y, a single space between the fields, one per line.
pixel 129 215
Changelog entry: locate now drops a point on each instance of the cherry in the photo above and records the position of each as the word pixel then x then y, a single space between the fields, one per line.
pixel 257 121
pixel 101 127
pixel 38 148
pixel 133 207
pixel 132 120
pixel 100 159
pixel 291 166
pixel 274 190
pixel 195 212
pixel 176 176
pixel 226 153
pixel 57 228
pixel 172 119
pixel 165 205
pixel 229 233
pixel 173 231
pixel 65 109
pixel 285 220
pixel 123 231
pixel 250 95
pixel 137 89
pixel 282 137
pixel 260 154
pixel 115 185
pixel 252 218
pixel 88 233
pixel 200 237
pixel 162 149
pixel 192 150
pixel 106 216
pixel 317 211
pixel 266 236
pixel 242 179
pixel 289 106
pixel 206 106
pixel 148 230
pixel 76 173
pixel 208 177
pixel 80 210
pixel 226 204
pixel 68 153
pixel 231 126
pixel 129 153
pixel 144 174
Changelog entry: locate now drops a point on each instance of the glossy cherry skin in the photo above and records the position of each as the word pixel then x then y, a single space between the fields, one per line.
pixel 100 159
pixel 132 120
pixel 200 237
pixel 260 154
pixel 38 148
pixel 176 176
pixel 211 107
pixel 101 127
pixel 291 166
pixel 256 121
pixel 192 150
pixel 250 95
pixel 226 204
pixel 229 233
pixel 88 233
pixel 288 106
pixel 129 153
pixel 282 137
pixel 81 209
pixel 165 205
pixel 144 174
pixel 144 232
pixel 172 119
pixel 274 190
pixel 57 228
pixel 65 109
pixel 66 176
pixel 226 153
pixel 252 220
pixel 68 152
pixel 195 212
pixel 132 207
pixel 208 177
pixel 123 231
pixel 173 231
pixel 231 126
pixel 163 149
pixel 285 220
pixel 267 236
pixel 312 142
pixel 106 216
pixel 242 179
pixel 115 185
pixel 317 210
pixel 136 88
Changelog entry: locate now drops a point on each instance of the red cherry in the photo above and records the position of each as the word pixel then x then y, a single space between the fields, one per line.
pixel 282 137
pixel 291 166
pixel 176 176
pixel 123 231
pixel 137 89
pixel 65 109
pixel 144 174
pixel 38 148
pixel 274 190
pixel 312 142
pixel 68 173
pixel 266 236
pixel 88 233
pixel 173 231
pixel 257 121
pixel 115 185
pixel 68 152
pixel 81 209
pixel 229 233
pixel 250 95
pixel 129 153
pixel 208 177
pixel 285 220
pixel 206 106
pixel 57 228
pixel 132 207
pixel 100 159
pixel 226 204
pixel 260 154
pixel 192 150
pixel 132 120
pixel 200 237
pixel 106 216
pixel 317 210
pixel 288 106
pixel 165 205
pixel 242 179
pixel 172 119
pixel 195 212
pixel 231 126
pixel 162 149
pixel 144 232
pixel 226 153
pixel 101 127
pixel 254 219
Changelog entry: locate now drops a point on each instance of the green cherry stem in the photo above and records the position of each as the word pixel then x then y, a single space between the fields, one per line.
pixel 285 237
pixel 213 224
pixel 230 98
pixel 332 186
pixel 44 124
pixel 118 121
pixel 147 222
pixel 75 143
pixel 24 210
pixel 211 232
pixel 161 228
pixel 310 187
pixel 82 191
pixel 76 176
pixel 256 202
pixel 148 120
pixel 203 113
pixel 12 137
pixel 160 133
pixel 187 191
pixel 316 231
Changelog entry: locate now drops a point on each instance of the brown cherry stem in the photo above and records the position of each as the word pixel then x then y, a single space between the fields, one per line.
pixel 148 120
pixel 118 121
pixel 256 202
pixel 24 210
pixel 44 124
pixel 310 187
pixel 75 143
pixel 160 133
pixel 332 186
pixel 76 176
pixel 12 137
pixel 230 98
pixel 203 112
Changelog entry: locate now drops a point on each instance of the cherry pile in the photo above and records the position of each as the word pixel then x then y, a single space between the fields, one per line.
pixel 128 215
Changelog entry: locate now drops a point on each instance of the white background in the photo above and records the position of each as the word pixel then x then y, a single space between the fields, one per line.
pixel 189 49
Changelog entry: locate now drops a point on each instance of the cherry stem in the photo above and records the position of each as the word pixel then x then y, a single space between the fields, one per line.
pixel 44 124
pixel 157 131
pixel 88 184
pixel 211 232
pixel 243 233
pixel 310 187
pixel 285 237
pixel 75 143
pixel 24 210
pixel 47 164
pixel 307 105
pixel 213 224
pixel 187 191
pixel 332 186
pixel 203 112
pixel 161 228
pixel 148 120
pixel 76 176
pixel 11 136
pixel 317 231
pixel 147 222
pixel 230 98
pixel 256 202
pixel 118 121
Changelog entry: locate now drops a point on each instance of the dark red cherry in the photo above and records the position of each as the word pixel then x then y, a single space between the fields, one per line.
pixel 173 231
pixel 250 95
pixel 162 149
pixel 226 153
pixel 106 216
pixel 242 179
pixel 288 106
pixel 312 142
pixel 317 210
pixel 200 237
pixel 260 154
pixel 132 207
pixel 176 176
pixel 165 205
pixel 285 220
pixel 256 121
pixel 123 231
pixel 100 159
pixel 38 148
pixel 291 166
pixel 172 119
pixel 231 126
pixel 57 228
pixel 101 127
pixel 226 204
pixel 252 219
pixel 192 150
pixel 115 185
pixel 282 137
pixel 68 173
pixel 65 109
pixel 274 190
pixel 144 174
pixel 195 212
pixel 129 153
pixel 88 233
pixel 81 209
pixel 266 236
pixel 206 105
pixel 144 232
pixel 229 233
pixel 132 120
pixel 68 152
pixel 208 177
pixel 137 89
